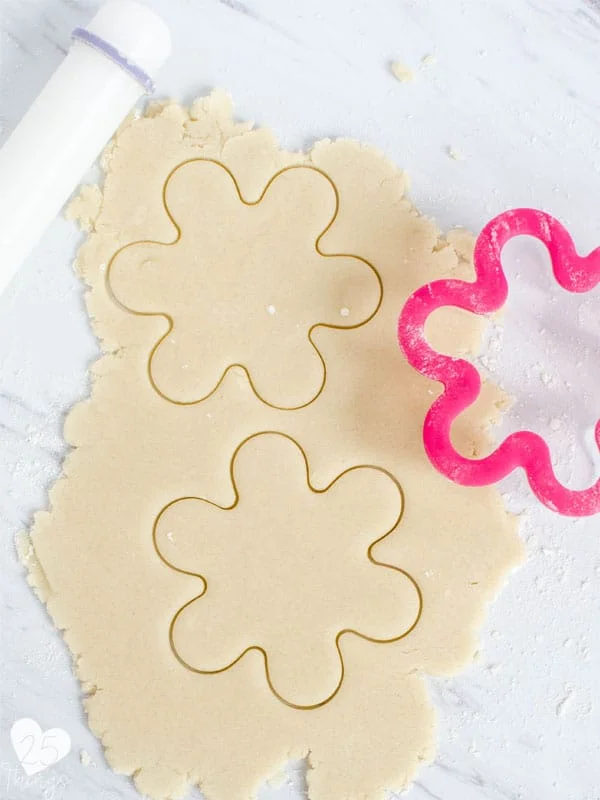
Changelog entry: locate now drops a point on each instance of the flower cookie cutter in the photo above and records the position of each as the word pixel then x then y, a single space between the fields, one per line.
pixel 461 380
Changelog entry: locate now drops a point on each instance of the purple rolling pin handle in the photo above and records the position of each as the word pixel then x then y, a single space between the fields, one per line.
pixel 104 47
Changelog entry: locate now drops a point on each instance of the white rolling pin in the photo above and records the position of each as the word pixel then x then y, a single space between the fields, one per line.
pixel 110 65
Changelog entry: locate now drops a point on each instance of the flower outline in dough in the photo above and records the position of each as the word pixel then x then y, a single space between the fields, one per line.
pixel 312 353
pixel 161 538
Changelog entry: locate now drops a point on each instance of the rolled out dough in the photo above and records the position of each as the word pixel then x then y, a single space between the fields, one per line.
pixel 310 549
pixel 280 569
pixel 270 286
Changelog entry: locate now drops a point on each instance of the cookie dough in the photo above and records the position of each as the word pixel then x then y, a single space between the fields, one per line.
pixel 101 556
pixel 239 285
pixel 306 579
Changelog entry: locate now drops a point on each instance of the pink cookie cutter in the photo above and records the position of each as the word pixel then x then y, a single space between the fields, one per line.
pixel 462 382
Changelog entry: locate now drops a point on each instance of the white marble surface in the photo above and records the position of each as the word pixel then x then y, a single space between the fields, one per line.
pixel 515 90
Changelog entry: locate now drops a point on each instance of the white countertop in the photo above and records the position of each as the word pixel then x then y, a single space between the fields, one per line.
pixel 515 91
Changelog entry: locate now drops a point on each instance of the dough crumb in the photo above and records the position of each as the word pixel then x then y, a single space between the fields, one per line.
pixel 85 208
pixel 85 759
pixel 156 107
pixel 429 60
pixel 401 72
pixel 36 575
pixel 455 154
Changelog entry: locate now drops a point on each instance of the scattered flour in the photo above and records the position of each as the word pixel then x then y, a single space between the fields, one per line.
pixel 455 154
pixel 429 60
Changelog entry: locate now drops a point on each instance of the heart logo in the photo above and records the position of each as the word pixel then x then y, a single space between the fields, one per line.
pixel 37 749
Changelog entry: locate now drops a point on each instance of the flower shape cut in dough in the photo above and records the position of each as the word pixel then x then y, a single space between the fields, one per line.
pixel 244 284
pixel 288 570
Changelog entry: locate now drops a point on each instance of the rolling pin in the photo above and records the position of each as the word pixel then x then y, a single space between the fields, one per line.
pixel 111 64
